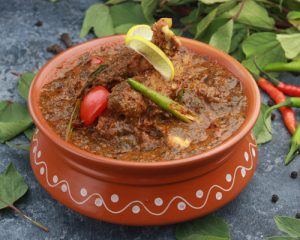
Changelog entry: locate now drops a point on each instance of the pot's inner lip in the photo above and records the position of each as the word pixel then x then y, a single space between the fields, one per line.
pixel 56 62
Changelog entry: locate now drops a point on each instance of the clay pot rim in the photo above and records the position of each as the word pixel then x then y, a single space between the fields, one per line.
pixel 97 159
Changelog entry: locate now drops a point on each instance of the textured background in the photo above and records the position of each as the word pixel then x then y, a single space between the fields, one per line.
pixel 23 47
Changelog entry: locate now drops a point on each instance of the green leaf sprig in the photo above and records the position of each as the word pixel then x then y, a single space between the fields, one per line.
pixel 290 226
pixel 266 29
pixel 263 129
pixel 206 228
pixel 12 188
pixel 14 117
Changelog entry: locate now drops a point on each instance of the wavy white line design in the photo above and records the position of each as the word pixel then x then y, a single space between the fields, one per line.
pixel 137 204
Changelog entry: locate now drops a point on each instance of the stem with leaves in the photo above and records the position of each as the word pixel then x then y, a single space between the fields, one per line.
pixel 77 103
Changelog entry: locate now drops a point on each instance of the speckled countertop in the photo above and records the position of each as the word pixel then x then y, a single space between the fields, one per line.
pixel 23 47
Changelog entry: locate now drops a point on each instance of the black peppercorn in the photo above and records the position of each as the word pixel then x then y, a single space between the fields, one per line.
pixel 275 198
pixel 298 215
pixel 39 23
pixel 294 174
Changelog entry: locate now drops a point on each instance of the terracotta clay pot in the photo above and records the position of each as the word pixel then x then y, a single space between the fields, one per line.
pixel 142 193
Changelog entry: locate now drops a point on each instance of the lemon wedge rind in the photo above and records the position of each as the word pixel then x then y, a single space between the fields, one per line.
pixel 153 54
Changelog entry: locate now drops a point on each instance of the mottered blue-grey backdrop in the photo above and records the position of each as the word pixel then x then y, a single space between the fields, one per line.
pixel 23 48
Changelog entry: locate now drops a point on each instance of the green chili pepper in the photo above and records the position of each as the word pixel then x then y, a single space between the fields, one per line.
pixel 289 116
pixel 167 104
pixel 289 102
pixel 295 146
pixel 283 67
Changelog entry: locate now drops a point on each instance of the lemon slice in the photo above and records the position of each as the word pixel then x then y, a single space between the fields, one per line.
pixel 139 30
pixel 139 39
pixel 153 54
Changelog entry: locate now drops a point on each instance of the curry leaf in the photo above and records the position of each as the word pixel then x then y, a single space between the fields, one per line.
pixel 127 13
pixel 12 186
pixel 98 18
pixel 294 18
pixel 149 7
pixel 14 119
pixel 113 2
pixel 204 23
pixel 208 228
pixel 291 226
pixel 123 28
pixel 213 1
pixel 222 37
pixel 240 32
pixel 264 47
pixel 29 132
pixel 259 43
pixel 238 54
pixel 212 28
pixel 252 14
pixel 24 84
pixel 260 130
pixel 178 2
pixel 226 6
pixel 192 17
pixel 290 44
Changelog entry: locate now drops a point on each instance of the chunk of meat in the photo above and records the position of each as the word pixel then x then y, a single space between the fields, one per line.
pixel 156 82
pixel 164 38
pixel 117 70
pixel 109 128
pixel 138 64
pixel 125 101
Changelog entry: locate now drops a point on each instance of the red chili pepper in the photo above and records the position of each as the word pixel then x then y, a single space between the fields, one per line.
pixel 288 114
pixel 288 89
pixel 93 104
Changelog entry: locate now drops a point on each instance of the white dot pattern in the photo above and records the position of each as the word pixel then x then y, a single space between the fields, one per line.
pixel 136 209
pixel 158 201
pixel 114 198
pixel 42 170
pixel 34 149
pixel 228 177
pixel 246 156
pixel 243 172
pixel 64 187
pixel 199 193
pixel 98 202
pixel 219 195
pixel 83 192
pixel 253 152
pixel 55 179
pixel 181 206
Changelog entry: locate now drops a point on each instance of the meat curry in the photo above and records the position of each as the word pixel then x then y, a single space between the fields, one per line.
pixel 131 126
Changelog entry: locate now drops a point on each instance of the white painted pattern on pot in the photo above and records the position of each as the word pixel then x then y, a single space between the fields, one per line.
pixel 136 205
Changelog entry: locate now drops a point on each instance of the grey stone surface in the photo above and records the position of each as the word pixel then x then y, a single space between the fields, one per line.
pixel 23 47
